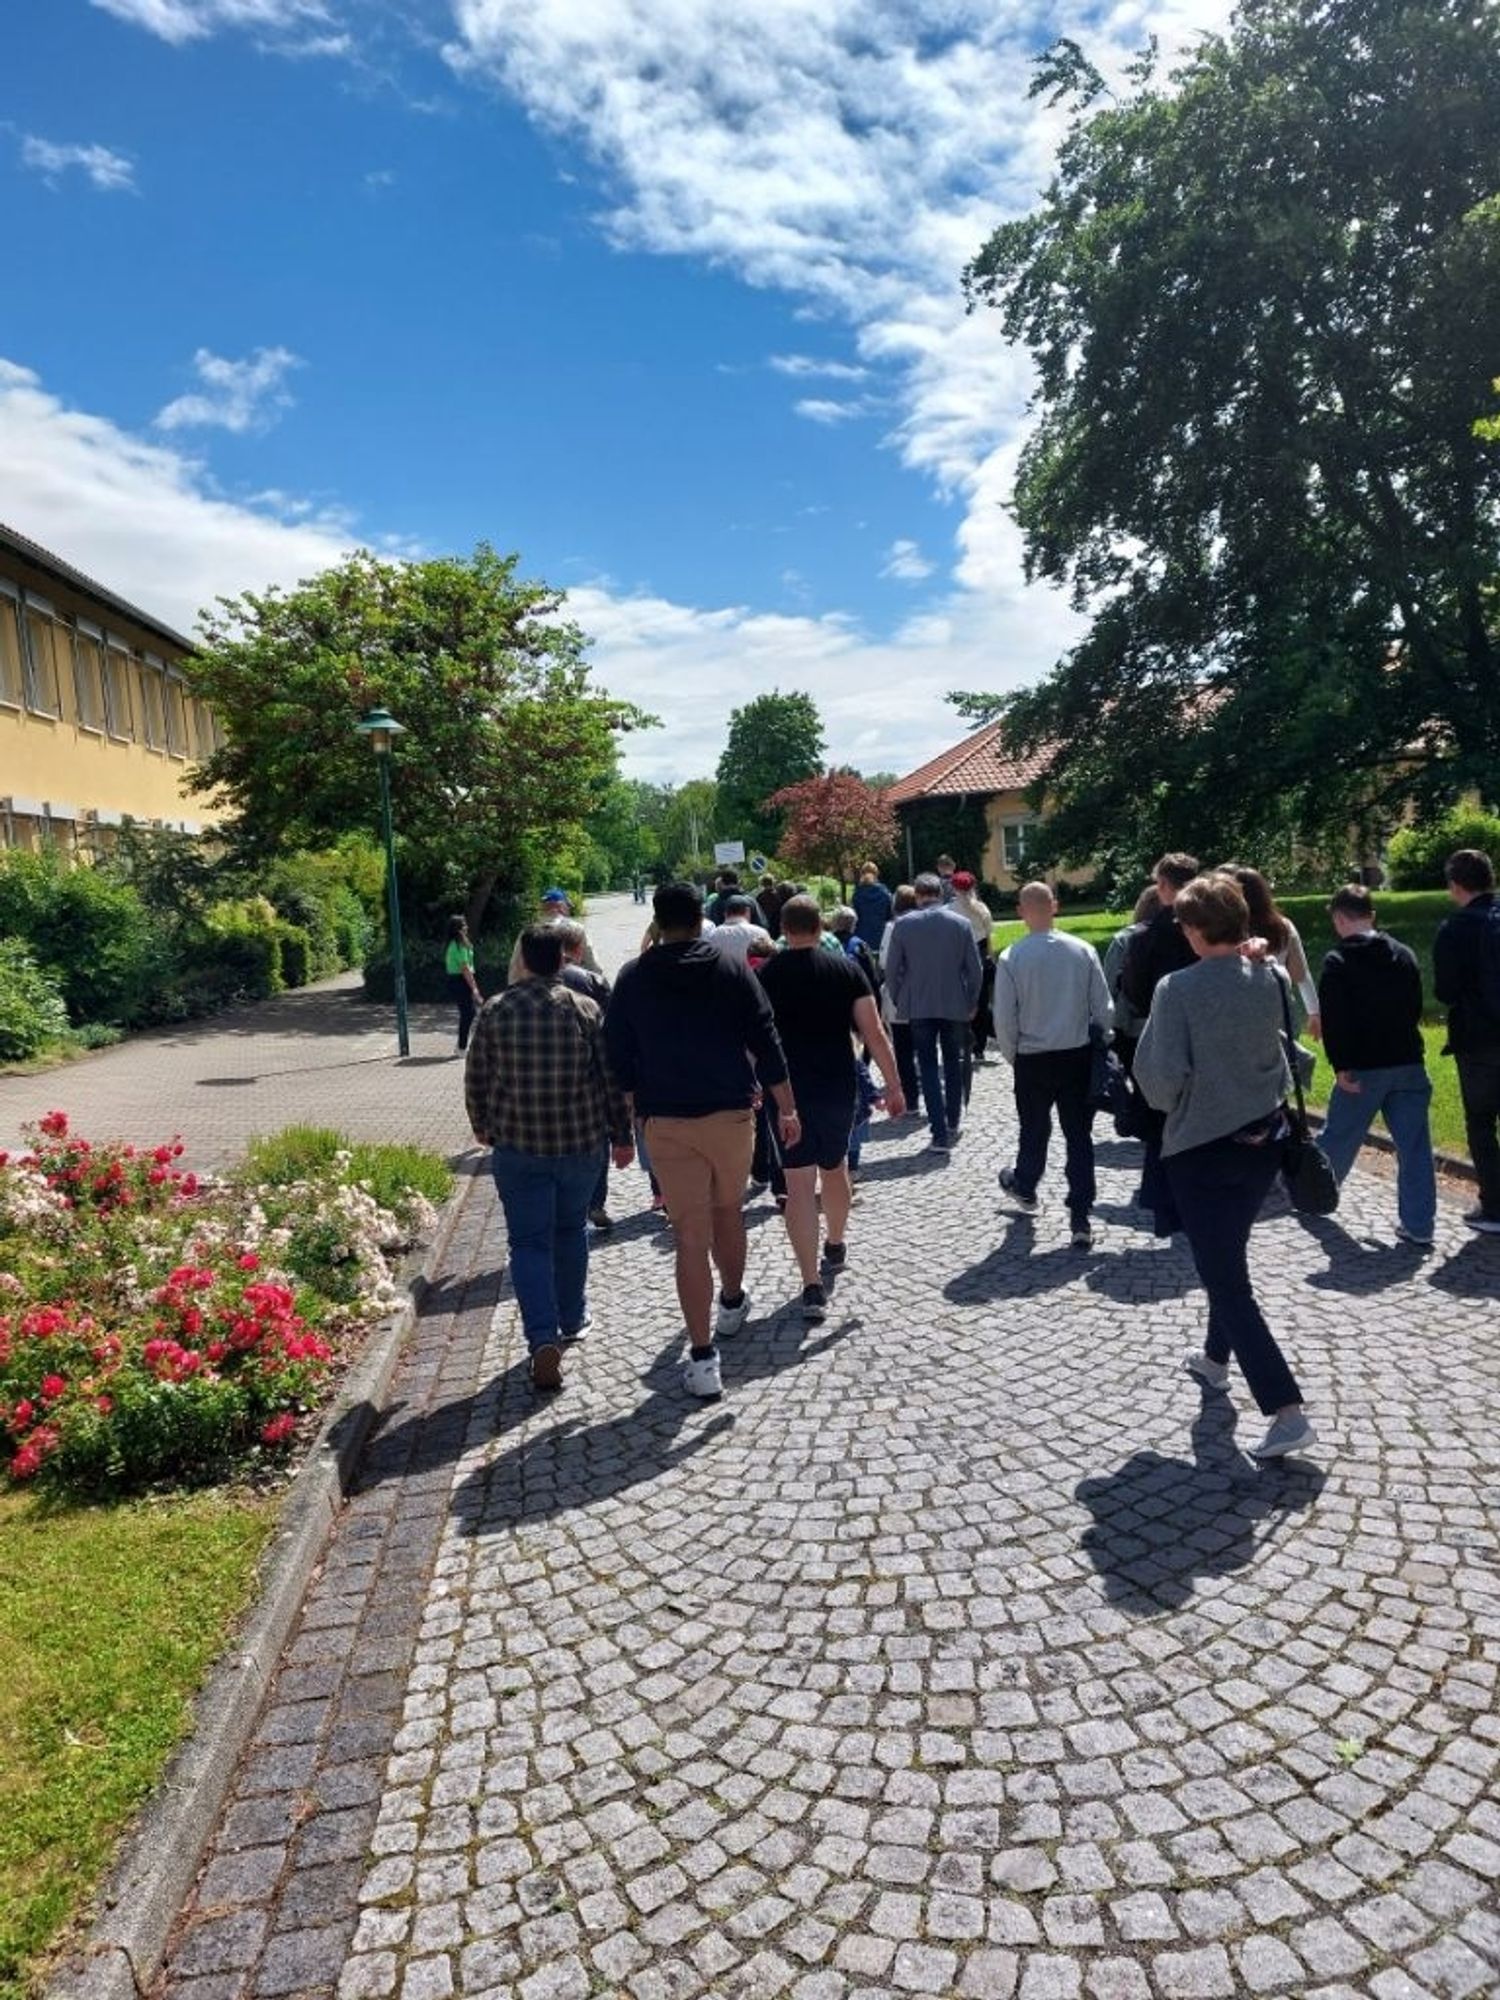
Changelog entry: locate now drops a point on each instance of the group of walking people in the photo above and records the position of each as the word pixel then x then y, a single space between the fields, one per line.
pixel 738 1058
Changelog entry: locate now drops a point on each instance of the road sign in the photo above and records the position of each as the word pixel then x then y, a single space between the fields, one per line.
pixel 728 850
pixel 757 864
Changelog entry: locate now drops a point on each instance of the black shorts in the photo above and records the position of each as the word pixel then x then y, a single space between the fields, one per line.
pixel 826 1125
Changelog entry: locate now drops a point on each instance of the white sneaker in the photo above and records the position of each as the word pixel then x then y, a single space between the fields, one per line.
pixel 1287 1434
pixel 700 1374
pixel 1214 1373
pixel 731 1319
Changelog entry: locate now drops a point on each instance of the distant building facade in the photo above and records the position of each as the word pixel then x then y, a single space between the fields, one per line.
pixel 97 725
pixel 972 797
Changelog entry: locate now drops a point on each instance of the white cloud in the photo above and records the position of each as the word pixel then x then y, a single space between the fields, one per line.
pixel 854 155
pixel 822 410
pixel 809 364
pixel 181 21
pixel 906 562
pixel 110 172
pixel 142 517
pixel 236 395
pixel 145 519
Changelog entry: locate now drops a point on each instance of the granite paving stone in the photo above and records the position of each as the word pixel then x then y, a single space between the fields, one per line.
pixel 961 1649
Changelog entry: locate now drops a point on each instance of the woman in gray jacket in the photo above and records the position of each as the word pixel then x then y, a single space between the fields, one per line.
pixel 1213 1059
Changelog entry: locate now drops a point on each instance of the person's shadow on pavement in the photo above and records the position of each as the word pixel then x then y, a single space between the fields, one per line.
pixel 1161 1523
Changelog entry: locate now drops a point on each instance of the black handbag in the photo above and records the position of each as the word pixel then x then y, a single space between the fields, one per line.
pixel 1109 1086
pixel 1310 1182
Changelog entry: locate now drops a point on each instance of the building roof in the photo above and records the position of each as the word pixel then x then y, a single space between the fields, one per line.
pixel 32 552
pixel 976 768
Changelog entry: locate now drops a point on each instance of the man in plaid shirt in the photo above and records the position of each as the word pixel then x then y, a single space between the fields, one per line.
pixel 540 1096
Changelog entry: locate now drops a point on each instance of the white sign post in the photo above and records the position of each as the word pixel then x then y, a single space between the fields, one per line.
pixel 727 851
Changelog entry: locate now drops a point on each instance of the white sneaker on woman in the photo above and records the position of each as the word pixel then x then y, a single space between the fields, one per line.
pixel 1286 1435
pixel 1214 1373
pixel 700 1374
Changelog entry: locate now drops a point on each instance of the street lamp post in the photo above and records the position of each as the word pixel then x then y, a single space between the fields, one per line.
pixel 382 728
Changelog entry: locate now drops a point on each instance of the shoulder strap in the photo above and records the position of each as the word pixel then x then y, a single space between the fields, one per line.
pixel 1283 986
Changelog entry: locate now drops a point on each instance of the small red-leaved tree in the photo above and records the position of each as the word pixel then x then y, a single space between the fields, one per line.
pixel 834 823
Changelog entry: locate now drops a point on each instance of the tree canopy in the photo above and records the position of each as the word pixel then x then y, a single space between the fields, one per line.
pixel 774 741
pixel 1261 298
pixel 834 823
pixel 507 744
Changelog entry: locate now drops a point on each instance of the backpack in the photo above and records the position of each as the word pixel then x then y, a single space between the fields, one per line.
pixel 1489 962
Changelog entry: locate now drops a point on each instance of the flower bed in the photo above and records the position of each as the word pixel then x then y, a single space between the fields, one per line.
pixel 158 1326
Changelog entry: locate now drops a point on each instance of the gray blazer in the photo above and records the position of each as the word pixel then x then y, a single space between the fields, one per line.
pixel 932 966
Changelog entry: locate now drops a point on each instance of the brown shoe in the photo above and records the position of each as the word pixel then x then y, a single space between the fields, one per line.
pixel 546 1368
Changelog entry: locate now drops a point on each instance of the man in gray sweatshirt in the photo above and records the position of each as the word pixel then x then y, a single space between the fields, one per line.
pixel 1049 998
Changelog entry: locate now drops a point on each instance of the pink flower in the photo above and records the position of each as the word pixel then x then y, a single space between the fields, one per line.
pixel 53 1386
pixel 279 1429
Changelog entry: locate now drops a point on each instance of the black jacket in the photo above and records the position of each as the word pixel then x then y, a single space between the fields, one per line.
pixel 1161 947
pixel 1472 1029
pixel 1370 1001
pixel 684 1024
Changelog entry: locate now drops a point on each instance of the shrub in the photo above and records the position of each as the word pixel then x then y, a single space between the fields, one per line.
pixel 90 930
pixel 296 958
pixel 1416 854
pixel 156 1327
pixel 32 1013
pixel 243 943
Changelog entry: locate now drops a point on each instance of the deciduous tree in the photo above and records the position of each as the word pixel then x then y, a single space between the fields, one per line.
pixel 774 740
pixel 1261 299
pixel 833 824
pixel 506 741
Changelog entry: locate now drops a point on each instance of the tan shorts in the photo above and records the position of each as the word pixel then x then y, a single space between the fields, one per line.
pixel 701 1163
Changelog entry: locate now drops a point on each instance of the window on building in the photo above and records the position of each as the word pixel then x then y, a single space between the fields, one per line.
pixel 1017 839
pixel 47 658
pixel 12 670
pixel 177 742
pixel 203 729
pixel 151 683
pixel 117 678
pixel 88 676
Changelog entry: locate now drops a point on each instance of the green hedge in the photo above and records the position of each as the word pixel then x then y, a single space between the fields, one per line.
pixel 32 1012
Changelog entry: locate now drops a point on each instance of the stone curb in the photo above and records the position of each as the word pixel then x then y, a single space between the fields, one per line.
pixel 143 1894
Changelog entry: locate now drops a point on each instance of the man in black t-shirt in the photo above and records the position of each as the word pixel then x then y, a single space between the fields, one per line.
pixel 822 1000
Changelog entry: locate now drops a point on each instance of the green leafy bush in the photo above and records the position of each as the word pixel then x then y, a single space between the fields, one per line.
pixel 243 943
pixel 90 930
pixel 32 1013
pixel 296 959
pixel 1417 853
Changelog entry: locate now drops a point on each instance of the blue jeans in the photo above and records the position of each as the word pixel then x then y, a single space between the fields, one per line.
pixel 546 1201
pixel 1401 1094
pixel 945 1101
pixel 1219 1189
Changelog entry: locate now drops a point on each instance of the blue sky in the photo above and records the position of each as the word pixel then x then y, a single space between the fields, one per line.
pixel 663 294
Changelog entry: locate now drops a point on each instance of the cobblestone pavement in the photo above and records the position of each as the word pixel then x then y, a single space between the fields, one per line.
pixel 959 1650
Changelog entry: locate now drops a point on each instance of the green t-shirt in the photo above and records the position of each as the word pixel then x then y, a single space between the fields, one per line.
pixel 460 957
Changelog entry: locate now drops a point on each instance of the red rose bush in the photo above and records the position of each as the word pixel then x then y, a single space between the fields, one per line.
pixel 157 1326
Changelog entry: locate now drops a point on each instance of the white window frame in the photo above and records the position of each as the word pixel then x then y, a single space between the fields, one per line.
pixel 153 738
pixel 175 712
pixel 1017 830
pixel 43 609
pixel 117 655
pixel 11 606
pixel 83 631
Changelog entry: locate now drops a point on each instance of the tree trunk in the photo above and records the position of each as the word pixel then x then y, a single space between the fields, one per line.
pixel 480 892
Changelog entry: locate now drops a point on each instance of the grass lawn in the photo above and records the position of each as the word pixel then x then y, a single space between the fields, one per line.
pixel 1413 916
pixel 110 1617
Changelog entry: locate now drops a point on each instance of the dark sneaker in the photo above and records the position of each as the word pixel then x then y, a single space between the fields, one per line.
pixel 814 1304
pixel 835 1256
pixel 1027 1203
pixel 939 1146
pixel 546 1368
pixel 600 1217
pixel 579 1332
pixel 1083 1233
pixel 1487 1225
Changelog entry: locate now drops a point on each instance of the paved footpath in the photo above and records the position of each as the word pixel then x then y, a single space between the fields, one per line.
pixel 960 1650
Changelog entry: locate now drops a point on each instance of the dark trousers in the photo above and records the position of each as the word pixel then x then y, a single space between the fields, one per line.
pixel 1479 1087
pixel 944 1096
pixel 906 1063
pixel 1056 1078
pixel 599 1199
pixel 984 1013
pixel 1219 1189
pixel 462 996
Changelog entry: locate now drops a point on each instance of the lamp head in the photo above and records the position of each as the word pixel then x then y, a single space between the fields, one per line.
pixel 381 727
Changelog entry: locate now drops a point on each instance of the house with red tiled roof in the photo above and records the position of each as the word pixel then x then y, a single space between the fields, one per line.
pixel 970 802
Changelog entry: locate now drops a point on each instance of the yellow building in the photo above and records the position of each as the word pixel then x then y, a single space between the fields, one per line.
pixel 96 723
pixel 982 774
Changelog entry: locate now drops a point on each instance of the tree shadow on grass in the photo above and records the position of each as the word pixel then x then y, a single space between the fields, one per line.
pixel 1160 1524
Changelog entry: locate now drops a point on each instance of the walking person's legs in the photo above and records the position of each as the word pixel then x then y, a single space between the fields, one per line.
pixel 598 1204
pixel 525 1183
pixel 906 1064
pixel 1219 1189
pixel 703 1164
pixel 1033 1092
pixel 957 1048
pixel 573 1186
pixel 1405 1107
pixel 924 1037
pixel 821 1153
pixel 462 997
pixel 1479 1087
pixel 1071 1071
pixel 1349 1117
